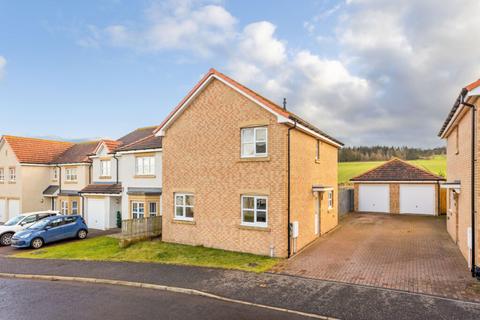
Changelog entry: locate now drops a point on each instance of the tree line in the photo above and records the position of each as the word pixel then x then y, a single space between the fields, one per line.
pixel 383 153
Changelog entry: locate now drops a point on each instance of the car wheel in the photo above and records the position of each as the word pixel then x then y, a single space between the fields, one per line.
pixel 82 234
pixel 6 239
pixel 37 243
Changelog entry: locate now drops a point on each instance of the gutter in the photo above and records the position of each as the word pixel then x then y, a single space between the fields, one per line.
pixel 475 270
pixel 288 191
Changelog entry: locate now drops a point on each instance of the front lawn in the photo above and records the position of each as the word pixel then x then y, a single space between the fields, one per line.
pixel 107 249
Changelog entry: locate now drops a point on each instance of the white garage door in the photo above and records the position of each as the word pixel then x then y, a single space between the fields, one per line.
pixel 3 210
pixel 13 208
pixel 417 199
pixel 96 214
pixel 374 198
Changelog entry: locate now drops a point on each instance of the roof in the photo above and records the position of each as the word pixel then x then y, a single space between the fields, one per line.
pixel 249 92
pixel 51 190
pixel 78 153
pixel 136 135
pixel 103 188
pixel 38 151
pixel 69 193
pixel 397 170
pixel 457 104
pixel 144 191
pixel 150 142
pixel 111 145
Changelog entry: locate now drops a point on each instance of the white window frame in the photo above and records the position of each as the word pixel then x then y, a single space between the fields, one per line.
pixel 74 207
pixel 255 211
pixel 12 174
pixel 254 142
pixel 2 174
pixel 145 166
pixel 330 199
pixel 64 207
pixel 136 211
pixel 155 213
pixel 71 174
pixel 183 206
pixel 105 168
pixel 55 174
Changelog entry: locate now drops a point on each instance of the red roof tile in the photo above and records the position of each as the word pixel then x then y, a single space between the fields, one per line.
pixel 397 170
pixel 38 151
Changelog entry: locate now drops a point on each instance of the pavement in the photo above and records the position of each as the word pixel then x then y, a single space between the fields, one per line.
pixel 19 299
pixel 327 298
pixel 401 252
pixel 92 233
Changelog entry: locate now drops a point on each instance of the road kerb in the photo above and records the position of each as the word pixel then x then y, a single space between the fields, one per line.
pixel 158 287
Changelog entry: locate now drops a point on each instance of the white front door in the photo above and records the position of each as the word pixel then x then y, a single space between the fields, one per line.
pixel 317 214
pixel 96 211
pixel 417 199
pixel 13 208
pixel 3 210
pixel 374 198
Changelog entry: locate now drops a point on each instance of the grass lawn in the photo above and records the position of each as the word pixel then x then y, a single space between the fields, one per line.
pixel 106 248
pixel 348 170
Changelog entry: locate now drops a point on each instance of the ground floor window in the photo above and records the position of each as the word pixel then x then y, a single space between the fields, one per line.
pixel 254 211
pixel 74 207
pixel 138 210
pixel 64 207
pixel 184 204
pixel 152 209
pixel 330 199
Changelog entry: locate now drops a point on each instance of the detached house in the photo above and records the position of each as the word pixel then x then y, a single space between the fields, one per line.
pixel 244 174
pixel 461 131
pixel 126 179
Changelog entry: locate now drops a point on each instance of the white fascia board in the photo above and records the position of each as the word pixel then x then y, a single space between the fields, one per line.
pixel 36 165
pixel 161 132
pixel 139 151
pixel 315 134
pixel 474 92
pixel 101 194
pixel 76 164
pixel 391 182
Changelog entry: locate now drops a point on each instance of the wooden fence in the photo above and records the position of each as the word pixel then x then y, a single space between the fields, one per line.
pixel 142 228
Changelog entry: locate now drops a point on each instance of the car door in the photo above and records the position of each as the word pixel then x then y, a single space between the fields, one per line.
pixel 54 230
pixel 70 227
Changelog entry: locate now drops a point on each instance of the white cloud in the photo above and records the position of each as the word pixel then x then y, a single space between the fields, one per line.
pixel 3 64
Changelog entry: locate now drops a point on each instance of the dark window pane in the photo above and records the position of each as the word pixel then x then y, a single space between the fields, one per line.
pixel 189 212
pixel 179 212
pixel 261 147
pixel 248 216
pixel 189 200
pixel 261 216
pixel 262 204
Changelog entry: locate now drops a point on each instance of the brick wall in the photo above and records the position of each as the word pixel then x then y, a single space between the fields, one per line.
pixel 394 198
pixel 202 156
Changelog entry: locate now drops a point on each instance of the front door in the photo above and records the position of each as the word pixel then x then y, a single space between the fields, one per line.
pixel 318 201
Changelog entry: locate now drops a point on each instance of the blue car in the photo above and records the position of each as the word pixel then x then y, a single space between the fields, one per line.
pixel 50 230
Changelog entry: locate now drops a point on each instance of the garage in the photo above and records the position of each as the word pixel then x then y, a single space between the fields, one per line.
pixel 13 208
pixel 397 187
pixel 96 210
pixel 3 211
pixel 417 199
pixel 374 198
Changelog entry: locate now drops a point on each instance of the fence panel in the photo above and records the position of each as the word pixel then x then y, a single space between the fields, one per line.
pixel 345 200
pixel 142 228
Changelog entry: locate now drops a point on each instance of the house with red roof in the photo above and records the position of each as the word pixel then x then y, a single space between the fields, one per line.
pixel 461 132
pixel 242 173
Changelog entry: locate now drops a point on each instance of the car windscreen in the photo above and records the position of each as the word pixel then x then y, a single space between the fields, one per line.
pixel 40 224
pixel 14 221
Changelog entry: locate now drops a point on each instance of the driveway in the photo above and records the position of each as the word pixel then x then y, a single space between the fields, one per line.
pixel 409 253
pixel 92 233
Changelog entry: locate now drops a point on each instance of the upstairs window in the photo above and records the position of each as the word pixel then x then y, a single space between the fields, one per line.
pixel 12 175
pixel 184 204
pixel 254 142
pixel 2 175
pixel 254 211
pixel 55 174
pixel 317 151
pixel 71 174
pixel 145 166
pixel 105 168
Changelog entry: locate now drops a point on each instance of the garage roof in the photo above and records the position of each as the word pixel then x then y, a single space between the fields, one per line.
pixel 397 170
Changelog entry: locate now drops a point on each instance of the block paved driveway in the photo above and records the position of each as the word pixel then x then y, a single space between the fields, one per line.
pixel 409 253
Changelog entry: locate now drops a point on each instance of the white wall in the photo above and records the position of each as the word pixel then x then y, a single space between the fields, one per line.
pixel 96 171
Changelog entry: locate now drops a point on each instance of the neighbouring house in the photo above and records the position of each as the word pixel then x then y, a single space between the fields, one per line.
pixel 461 131
pixel 25 172
pixel 241 173
pixel 397 187
pixel 126 179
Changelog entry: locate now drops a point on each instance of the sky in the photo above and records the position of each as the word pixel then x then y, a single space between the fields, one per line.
pixel 368 72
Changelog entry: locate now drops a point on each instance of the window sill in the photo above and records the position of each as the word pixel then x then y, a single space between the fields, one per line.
pixel 255 159
pixel 105 177
pixel 180 221
pixel 254 228
pixel 147 176
pixel 12 182
pixel 317 161
pixel 71 182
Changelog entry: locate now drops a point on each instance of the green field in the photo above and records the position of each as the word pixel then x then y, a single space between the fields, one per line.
pixel 348 170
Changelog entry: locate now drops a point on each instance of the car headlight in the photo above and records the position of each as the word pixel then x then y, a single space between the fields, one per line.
pixel 25 235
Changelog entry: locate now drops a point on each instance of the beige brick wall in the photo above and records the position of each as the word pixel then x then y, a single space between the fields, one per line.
pixel 394 198
pixel 458 168
pixel 306 171
pixel 202 156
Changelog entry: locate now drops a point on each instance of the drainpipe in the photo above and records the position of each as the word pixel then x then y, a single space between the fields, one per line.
pixel 116 167
pixel 288 189
pixel 472 106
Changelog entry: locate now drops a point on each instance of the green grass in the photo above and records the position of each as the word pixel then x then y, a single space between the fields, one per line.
pixel 107 249
pixel 348 170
